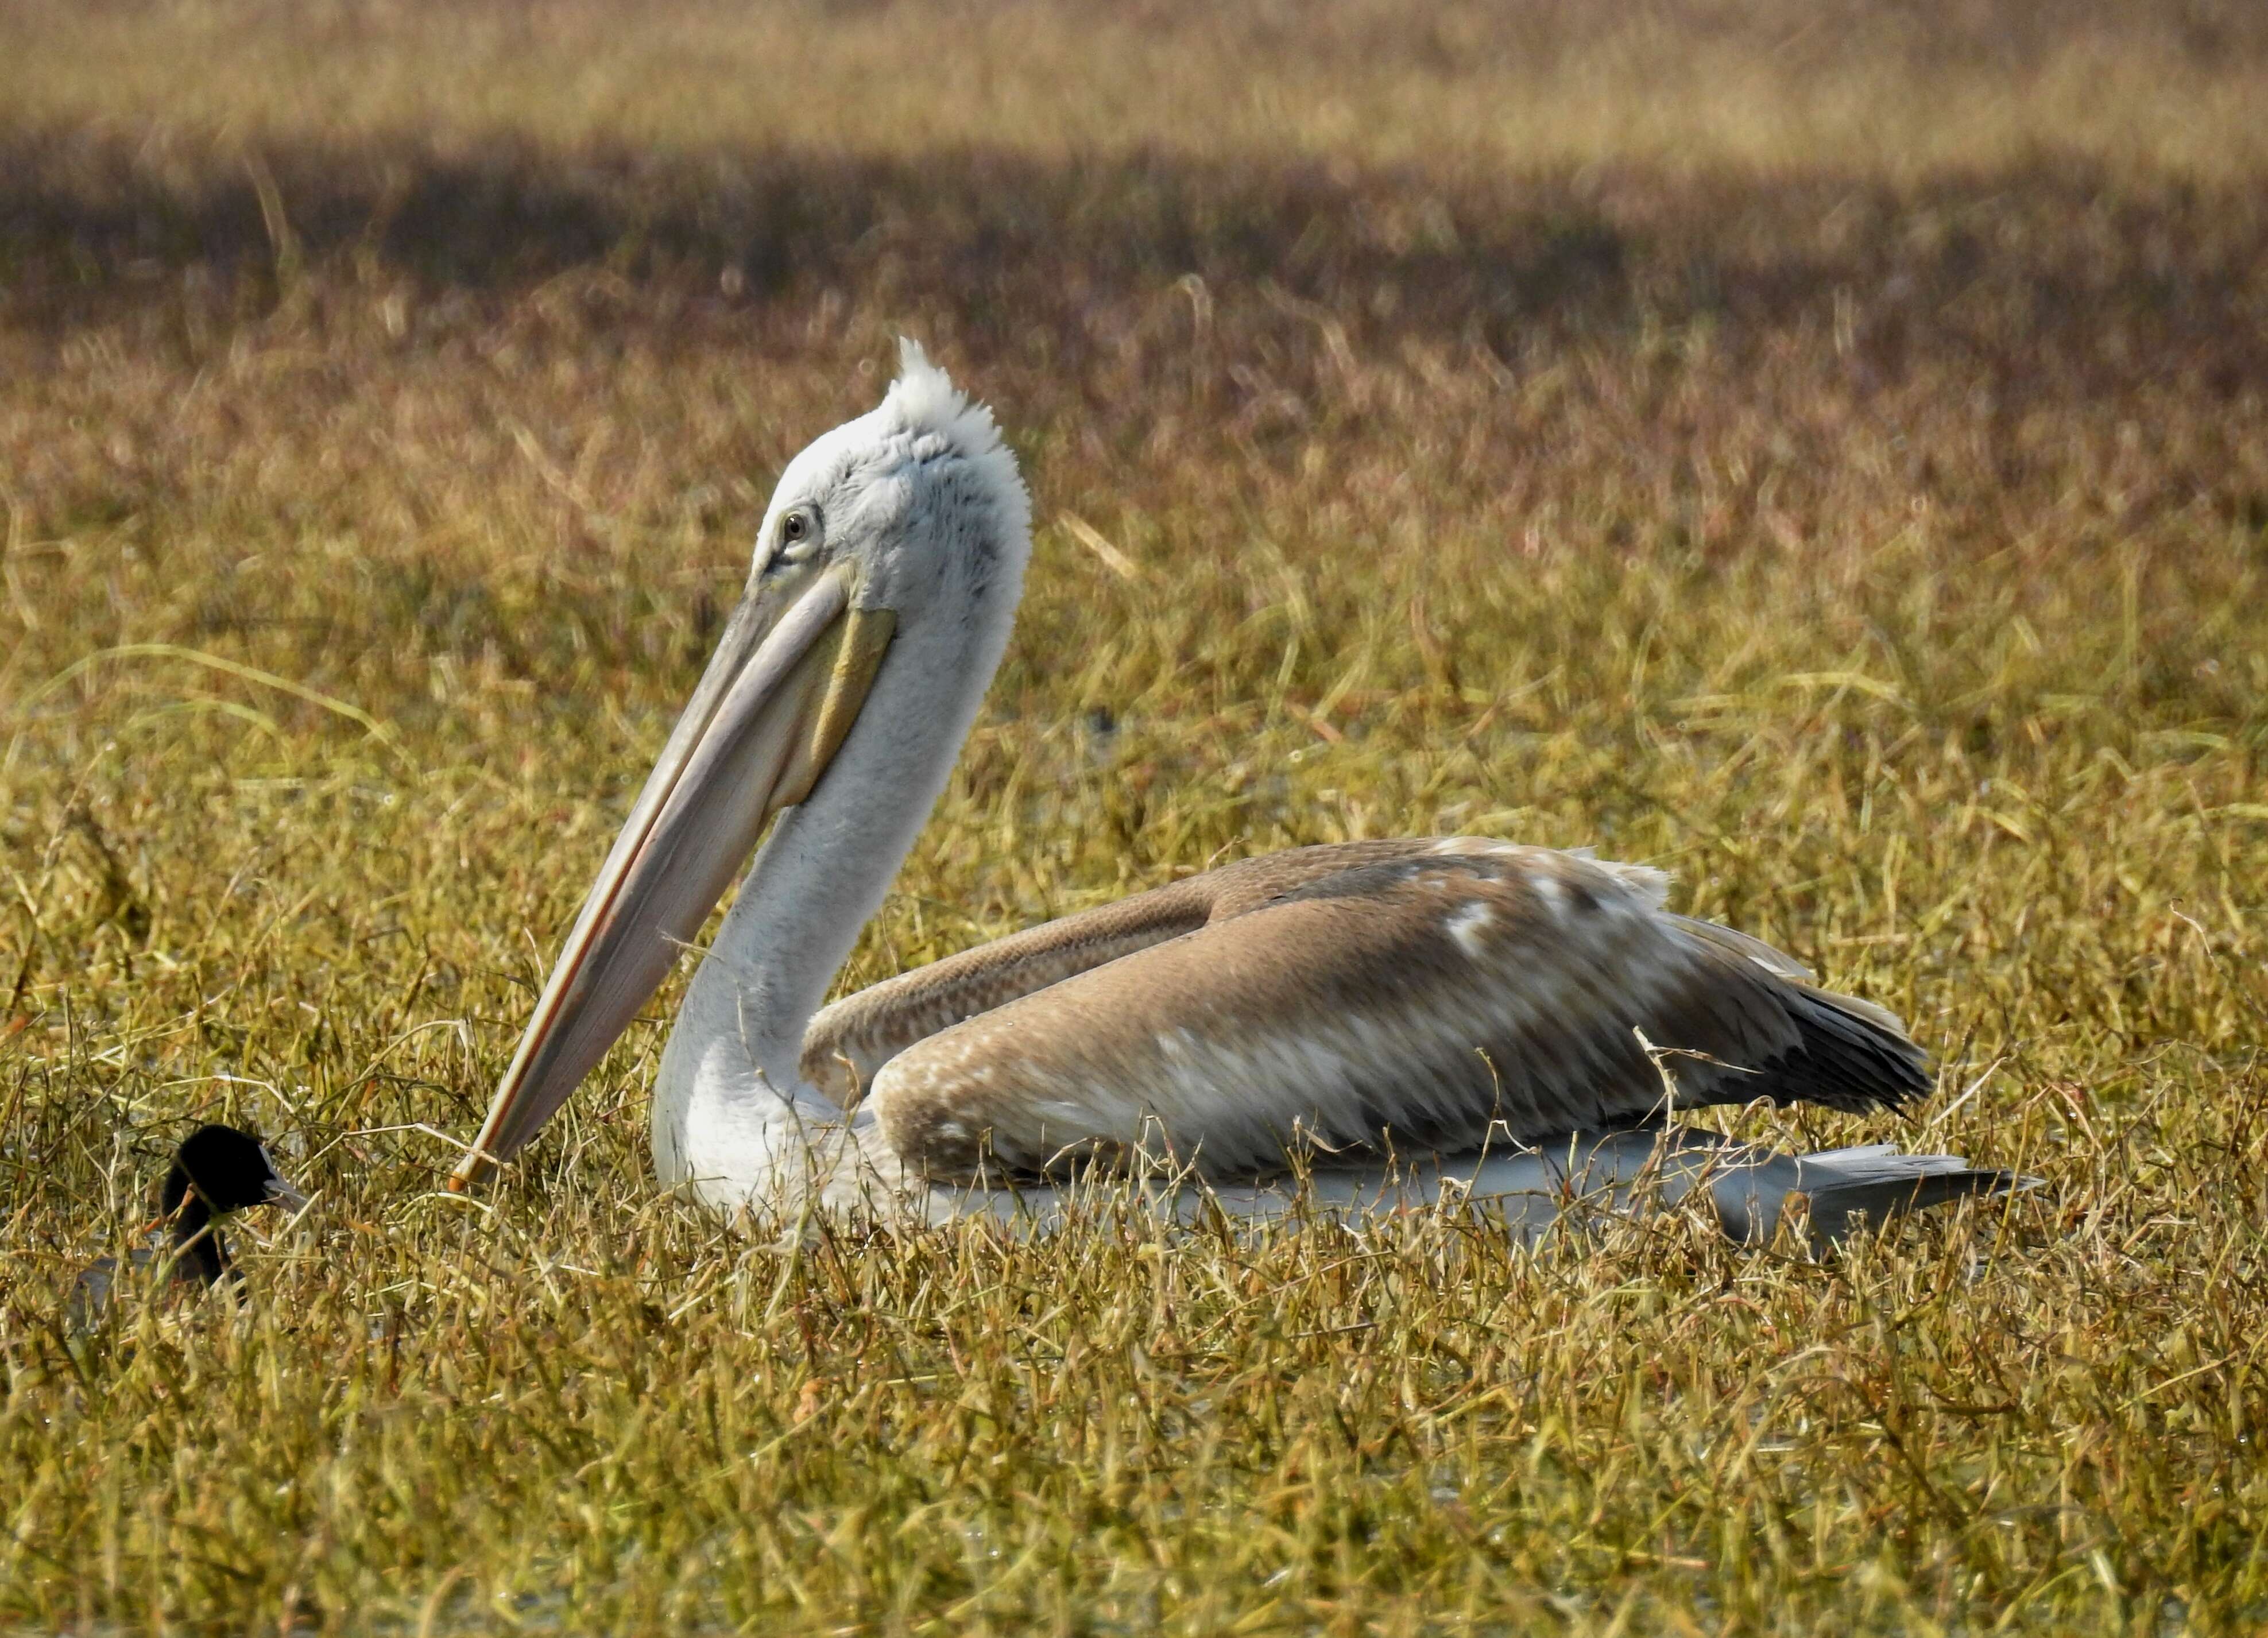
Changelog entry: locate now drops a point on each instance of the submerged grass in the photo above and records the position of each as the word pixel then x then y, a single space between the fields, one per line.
pixel 1824 453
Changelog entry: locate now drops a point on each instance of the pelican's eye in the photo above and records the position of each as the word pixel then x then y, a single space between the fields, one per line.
pixel 798 534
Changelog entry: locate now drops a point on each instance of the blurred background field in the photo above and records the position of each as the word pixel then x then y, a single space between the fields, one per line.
pixel 1819 449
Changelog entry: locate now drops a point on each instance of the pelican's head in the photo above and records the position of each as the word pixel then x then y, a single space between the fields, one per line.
pixel 905 531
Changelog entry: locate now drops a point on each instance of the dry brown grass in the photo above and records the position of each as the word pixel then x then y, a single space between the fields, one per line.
pixel 1822 451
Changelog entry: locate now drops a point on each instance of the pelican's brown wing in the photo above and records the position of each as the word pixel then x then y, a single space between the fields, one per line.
pixel 848 1043
pixel 1430 996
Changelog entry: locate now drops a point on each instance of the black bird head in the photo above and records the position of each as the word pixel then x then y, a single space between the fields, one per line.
pixel 217 1169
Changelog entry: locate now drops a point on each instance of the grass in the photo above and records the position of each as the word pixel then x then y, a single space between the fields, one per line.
pixel 1823 452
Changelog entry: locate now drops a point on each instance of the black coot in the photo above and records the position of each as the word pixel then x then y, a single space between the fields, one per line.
pixel 216 1170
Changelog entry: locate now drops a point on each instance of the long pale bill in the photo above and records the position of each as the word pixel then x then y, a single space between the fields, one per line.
pixel 774 705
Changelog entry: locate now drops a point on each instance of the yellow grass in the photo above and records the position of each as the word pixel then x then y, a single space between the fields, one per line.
pixel 1823 451
pixel 1478 86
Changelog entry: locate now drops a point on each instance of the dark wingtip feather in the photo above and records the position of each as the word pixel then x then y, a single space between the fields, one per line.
pixel 1849 1054
pixel 1847 1059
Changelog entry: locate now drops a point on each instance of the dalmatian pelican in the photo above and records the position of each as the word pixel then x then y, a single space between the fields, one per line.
pixel 1384 1020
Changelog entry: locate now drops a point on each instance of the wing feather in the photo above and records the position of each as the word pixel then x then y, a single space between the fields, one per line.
pixel 1436 996
pixel 847 1043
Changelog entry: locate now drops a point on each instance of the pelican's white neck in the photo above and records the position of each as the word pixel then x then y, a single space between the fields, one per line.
pixel 729 1098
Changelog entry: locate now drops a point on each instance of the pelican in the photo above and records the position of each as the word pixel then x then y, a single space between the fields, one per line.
pixel 1372 1023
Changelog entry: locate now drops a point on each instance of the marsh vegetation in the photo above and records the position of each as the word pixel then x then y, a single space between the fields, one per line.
pixel 1819 450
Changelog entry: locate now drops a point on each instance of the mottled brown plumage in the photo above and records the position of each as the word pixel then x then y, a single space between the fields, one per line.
pixel 1403 995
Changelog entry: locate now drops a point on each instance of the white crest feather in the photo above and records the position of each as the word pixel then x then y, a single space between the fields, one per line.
pixel 927 401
